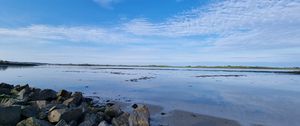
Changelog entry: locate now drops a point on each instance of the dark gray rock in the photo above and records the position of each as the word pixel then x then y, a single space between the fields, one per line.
pixel 65 114
pixel 62 123
pixel 29 111
pixel 47 94
pixel 63 95
pixel 90 119
pixel 73 123
pixel 10 116
pixel 5 91
pixel 75 100
pixel 5 85
pixel 113 111
pixel 40 104
pixel 33 122
pixel 122 120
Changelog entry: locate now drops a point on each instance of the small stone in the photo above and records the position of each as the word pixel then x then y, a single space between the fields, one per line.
pixel 122 120
pixel 134 106
pixel 103 123
pixel 10 116
pixel 33 122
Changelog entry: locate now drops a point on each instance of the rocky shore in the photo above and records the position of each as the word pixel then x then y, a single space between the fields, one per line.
pixel 22 105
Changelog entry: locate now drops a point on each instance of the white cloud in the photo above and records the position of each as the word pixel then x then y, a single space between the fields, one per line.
pixel 257 23
pixel 236 28
pixel 107 3
pixel 223 17
pixel 74 34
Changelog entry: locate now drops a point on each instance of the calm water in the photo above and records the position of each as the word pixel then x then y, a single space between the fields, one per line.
pixel 255 98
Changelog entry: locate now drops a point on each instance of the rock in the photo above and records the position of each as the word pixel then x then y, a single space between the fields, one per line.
pixel 113 111
pixel 33 122
pixel 5 85
pixel 55 115
pixel 140 116
pixel 73 123
pixel 29 111
pixel 65 114
pixel 90 119
pixel 62 123
pixel 19 88
pixel 23 94
pixel 5 91
pixel 103 123
pixel 10 116
pixel 122 120
pixel 134 106
pixel 75 100
pixel 34 94
pixel 47 94
pixel 63 95
pixel 40 104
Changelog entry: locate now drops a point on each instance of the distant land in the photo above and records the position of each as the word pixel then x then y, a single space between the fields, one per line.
pixel 13 63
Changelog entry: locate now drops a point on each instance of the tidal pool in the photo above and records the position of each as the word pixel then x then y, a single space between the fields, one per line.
pixel 251 97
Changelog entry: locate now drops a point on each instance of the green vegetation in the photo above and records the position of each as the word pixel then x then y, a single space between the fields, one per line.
pixel 10 63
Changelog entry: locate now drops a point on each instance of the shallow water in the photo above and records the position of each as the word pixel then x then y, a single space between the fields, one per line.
pixel 253 98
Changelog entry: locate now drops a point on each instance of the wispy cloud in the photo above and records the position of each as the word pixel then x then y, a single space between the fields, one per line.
pixel 108 4
pixel 247 27
pixel 245 22
pixel 73 34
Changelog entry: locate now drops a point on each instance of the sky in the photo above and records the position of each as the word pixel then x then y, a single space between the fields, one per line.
pixel 162 32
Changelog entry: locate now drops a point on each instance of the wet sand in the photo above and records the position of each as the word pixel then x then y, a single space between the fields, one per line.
pixel 158 117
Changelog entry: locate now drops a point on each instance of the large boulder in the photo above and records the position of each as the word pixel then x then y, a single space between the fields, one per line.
pixel 122 120
pixel 75 100
pixel 63 95
pixel 140 116
pixel 5 88
pixel 29 111
pixel 90 119
pixel 113 111
pixel 5 85
pixel 47 94
pixel 65 114
pixel 10 115
pixel 33 122
pixel 40 104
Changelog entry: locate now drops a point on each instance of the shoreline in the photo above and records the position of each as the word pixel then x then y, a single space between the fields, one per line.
pixel 13 63
pixel 24 99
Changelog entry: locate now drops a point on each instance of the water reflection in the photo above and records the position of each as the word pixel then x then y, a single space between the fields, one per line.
pixel 256 98
pixel 3 68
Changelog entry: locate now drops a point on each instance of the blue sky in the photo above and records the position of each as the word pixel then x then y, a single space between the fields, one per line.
pixel 170 32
